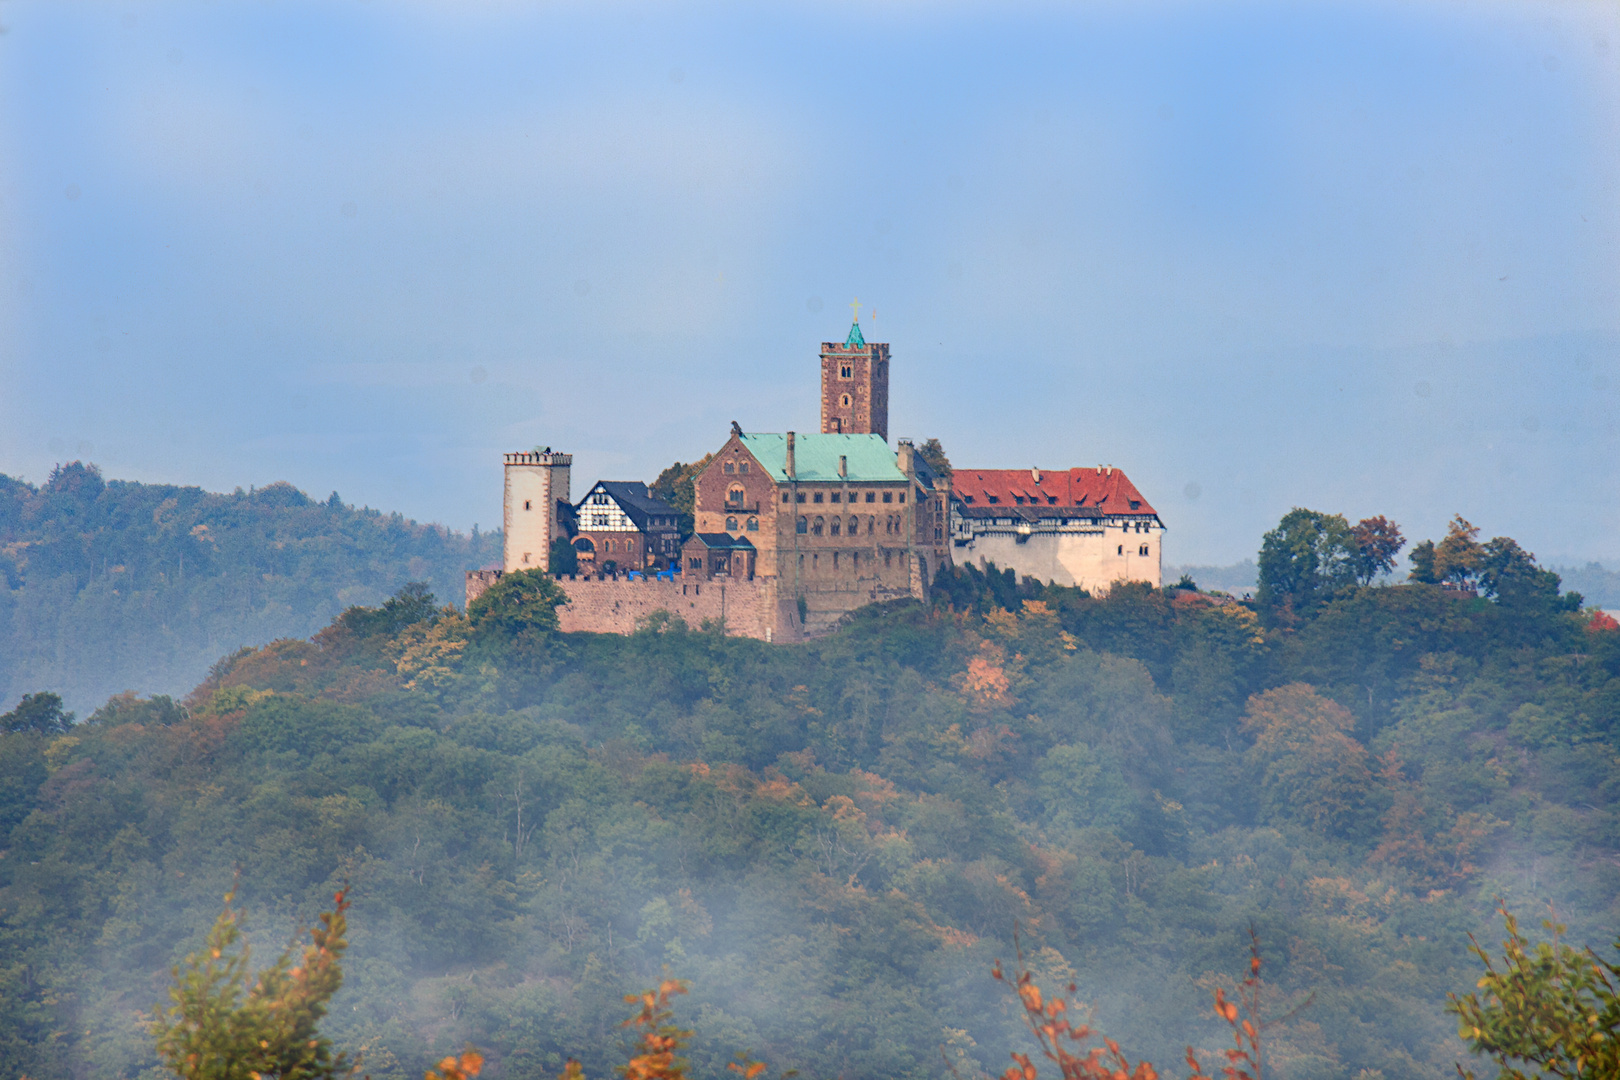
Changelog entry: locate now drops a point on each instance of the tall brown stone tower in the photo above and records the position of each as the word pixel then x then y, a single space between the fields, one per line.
pixel 854 386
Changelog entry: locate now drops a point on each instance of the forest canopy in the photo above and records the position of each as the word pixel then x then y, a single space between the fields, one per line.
pixel 832 842
pixel 111 585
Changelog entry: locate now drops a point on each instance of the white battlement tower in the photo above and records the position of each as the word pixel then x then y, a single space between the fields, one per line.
pixel 535 483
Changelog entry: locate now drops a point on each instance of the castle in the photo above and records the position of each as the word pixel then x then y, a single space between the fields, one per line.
pixel 793 531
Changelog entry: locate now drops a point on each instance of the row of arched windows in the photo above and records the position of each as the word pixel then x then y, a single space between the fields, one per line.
pixel 731 524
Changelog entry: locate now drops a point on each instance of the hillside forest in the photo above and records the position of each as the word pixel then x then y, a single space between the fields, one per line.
pixel 833 842
pixel 107 586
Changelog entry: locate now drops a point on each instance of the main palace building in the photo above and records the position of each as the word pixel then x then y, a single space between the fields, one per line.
pixel 792 531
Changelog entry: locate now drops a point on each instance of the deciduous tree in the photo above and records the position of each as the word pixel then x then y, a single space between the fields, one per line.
pixel 1547 1009
pixel 1376 540
pixel 1306 559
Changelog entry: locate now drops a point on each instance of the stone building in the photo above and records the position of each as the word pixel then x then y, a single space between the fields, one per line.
pixel 1083 527
pixel 794 531
pixel 537 508
pixel 620 525
pixel 839 520
pixel 855 387
pixel 707 556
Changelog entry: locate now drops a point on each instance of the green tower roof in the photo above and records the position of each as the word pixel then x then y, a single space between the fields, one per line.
pixel 855 337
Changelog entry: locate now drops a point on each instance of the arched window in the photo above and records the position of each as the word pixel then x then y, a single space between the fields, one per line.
pixel 816 529
pixel 753 524
pixel 837 526
pixel 871 526
pixel 583 544
pixel 844 401
pixel 854 526
pixel 731 524
pixel 734 497
pixel 802 527
pixel 730 467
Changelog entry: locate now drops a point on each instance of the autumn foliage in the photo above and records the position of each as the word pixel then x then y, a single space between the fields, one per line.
pixel 220 1028
pixel 1061 1039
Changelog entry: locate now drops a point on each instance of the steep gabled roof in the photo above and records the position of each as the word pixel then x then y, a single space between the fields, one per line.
pixel 1109 490
pixel 868 459
pixel 638 504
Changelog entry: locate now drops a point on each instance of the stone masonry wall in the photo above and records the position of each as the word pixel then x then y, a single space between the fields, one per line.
pixel 752 609
pixel 749 608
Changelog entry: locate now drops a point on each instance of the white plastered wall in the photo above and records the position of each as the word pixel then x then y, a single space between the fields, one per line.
pixel 530 520
pixel 1090 560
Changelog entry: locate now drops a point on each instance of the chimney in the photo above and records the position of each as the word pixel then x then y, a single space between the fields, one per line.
pixel 792 472
pixel 903 457
pixel 1035 474
pixel 843 466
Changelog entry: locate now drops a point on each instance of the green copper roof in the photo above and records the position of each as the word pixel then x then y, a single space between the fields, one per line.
pixel 855 337
pixel 868 459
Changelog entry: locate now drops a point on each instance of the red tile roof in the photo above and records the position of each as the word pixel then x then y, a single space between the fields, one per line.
pixel 1107 489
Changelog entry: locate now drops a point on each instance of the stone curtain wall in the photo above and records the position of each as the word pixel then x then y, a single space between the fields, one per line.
pixel 750 608
pixel 616 606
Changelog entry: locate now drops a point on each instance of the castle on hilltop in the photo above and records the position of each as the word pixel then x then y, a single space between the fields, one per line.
pixel 793 531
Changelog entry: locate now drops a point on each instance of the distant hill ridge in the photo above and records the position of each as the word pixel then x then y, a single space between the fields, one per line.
pixel 114 585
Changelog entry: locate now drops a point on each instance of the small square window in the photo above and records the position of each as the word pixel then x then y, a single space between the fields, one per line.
pixel 838 496
pixel 801 496
pixel 784 496
pixel 730 467
pixel 818 496
pixel 742 467
pixel 902 496
pixel 888 496
pixel 871 496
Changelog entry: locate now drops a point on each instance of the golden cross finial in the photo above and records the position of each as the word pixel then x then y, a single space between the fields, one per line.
pixel 857 307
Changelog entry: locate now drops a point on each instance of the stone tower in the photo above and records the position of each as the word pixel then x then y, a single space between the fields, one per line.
pixel 535 483
pixel 855 387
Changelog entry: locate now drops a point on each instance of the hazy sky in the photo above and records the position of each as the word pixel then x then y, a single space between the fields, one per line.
pixel 1357 257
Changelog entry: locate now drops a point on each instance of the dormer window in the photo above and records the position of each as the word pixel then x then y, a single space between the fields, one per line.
pixel 993 498
pixel 1136 504
pixel 967 498
pixel 1019 499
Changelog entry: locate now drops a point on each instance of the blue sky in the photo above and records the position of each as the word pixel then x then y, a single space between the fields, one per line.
pixel 1356 257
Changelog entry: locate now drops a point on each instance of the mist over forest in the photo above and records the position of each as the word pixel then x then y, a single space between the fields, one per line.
pixel 832 841
pixel 108 586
